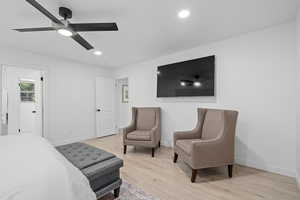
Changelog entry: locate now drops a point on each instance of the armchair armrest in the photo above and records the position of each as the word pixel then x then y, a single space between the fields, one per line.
pixel 154 132
pixel 205 143
pixel 182 135
pixel 128 129
pixel 212 149
pixel 132 125
pixel 193 134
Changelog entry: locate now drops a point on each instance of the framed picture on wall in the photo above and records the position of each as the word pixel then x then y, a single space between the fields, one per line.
pixel 125 95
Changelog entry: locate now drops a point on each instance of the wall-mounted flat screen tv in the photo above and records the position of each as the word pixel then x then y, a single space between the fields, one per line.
pixel 187 79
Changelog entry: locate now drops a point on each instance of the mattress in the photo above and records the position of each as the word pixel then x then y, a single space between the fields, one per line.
pixel 31 169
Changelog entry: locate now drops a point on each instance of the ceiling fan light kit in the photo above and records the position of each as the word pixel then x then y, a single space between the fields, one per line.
pixel 65 28
pixel 97 53
pixel 65 32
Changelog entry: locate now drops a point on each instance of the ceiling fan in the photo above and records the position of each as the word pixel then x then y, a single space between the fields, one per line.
pixel 64 27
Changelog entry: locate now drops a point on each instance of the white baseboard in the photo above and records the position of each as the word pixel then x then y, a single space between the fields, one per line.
pixel 255 164
pixel 266 167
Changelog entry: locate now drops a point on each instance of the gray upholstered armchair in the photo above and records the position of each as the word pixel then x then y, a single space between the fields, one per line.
pixel 211 143
pixel 144 129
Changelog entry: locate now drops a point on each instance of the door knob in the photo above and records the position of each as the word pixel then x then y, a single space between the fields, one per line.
pixel 98 110
pixel 33 111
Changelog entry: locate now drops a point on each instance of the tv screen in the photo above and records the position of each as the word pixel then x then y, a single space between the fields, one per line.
pixel 189 78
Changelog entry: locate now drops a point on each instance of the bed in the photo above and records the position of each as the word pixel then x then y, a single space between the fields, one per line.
pixel 31 169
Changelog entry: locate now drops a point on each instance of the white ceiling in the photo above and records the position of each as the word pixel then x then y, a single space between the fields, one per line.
pixel 147 28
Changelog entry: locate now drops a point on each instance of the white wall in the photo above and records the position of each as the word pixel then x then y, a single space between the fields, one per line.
pixel 298 99
pixel 70 94
pixel 255 75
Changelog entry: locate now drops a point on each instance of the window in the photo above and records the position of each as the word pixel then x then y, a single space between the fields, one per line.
pixel 27 91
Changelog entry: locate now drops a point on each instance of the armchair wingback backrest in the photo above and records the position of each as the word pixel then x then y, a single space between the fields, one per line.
pixel 213 124
pixel 219 122
pixel 146 118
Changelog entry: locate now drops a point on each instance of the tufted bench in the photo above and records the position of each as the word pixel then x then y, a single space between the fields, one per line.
pixel 100 167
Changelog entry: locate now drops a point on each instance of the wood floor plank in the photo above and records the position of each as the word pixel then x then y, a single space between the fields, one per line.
pixel 160 177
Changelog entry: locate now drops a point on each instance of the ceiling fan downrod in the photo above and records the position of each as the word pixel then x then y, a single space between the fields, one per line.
pixel 66 13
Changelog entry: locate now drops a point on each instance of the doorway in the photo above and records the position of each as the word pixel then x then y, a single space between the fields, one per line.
pixel 23 92
pixel 123 112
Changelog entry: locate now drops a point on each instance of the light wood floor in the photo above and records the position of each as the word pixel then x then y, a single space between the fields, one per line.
pixel 162 178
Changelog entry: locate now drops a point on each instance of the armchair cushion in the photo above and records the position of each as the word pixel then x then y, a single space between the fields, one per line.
pixel 139 135
pixel 186 145
pixel 145 119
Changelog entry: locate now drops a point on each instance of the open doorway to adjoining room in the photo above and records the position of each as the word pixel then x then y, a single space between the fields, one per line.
pixel 123 112
pixel 22 101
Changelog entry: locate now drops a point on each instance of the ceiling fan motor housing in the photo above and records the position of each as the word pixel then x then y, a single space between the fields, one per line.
pixel 66 13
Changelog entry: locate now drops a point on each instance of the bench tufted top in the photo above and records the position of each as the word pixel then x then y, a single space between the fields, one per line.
pixel 83 155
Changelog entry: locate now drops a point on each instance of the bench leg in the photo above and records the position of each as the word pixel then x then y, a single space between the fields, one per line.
pixel 117 192
pixel 125 149
pixel 153 150
pixel 159 144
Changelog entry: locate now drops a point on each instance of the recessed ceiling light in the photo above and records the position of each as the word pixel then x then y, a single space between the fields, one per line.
pixel 184 14
pixel 65 32
pixel 97 53
pixel 197 84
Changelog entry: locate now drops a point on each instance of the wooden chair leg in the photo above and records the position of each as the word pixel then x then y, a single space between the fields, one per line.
pixel 117 192
pixel 159 144
pixel 153 150
pixel 194 175
pixel 175 157
pixel 230 171
pixel 125 149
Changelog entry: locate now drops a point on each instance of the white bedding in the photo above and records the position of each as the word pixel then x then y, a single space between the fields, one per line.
pixel 31 169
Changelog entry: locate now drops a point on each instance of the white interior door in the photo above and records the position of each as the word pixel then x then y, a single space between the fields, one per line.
pixel 105 107
pixel 24 101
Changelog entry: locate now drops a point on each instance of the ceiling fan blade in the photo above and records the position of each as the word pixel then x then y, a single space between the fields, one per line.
pixel 82 41
pixel 44 11
pixel 35 29
pixel 94 27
